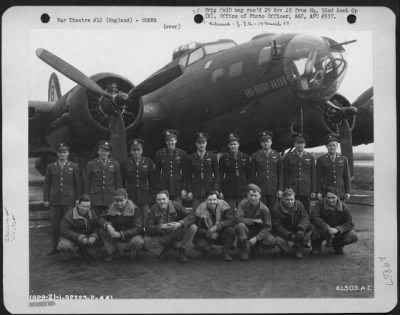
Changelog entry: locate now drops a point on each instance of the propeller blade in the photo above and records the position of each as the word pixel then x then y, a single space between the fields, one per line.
pixel 346 144
pixel 156 81
pixel 118 137
pixel 70 72
pixel 363 132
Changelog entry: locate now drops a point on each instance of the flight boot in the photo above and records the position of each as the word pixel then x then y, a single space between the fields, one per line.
pixel 133 253
pixel 283 246
pixel 244 250
pixel 316 248
pixel 298 252
pixel 182 256
pixel 226 255
pixel 164 251
pixel 337 246
pixel 338 249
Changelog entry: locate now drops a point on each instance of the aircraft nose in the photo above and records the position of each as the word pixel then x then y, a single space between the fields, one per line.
pixel 314 69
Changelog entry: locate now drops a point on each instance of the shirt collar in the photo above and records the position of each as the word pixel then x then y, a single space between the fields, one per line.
pixel 337 207
pixel 287 209
pixel 170 209
pixel 76 215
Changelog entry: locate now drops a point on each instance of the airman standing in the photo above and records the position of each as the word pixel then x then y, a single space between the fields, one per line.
pixel 61 190
pixel 267 170
pixel 170 167
pixel 137 174
pixel 333 170
pixel 235 172
pixel 103 178
pixel 203 171
pixel 299 172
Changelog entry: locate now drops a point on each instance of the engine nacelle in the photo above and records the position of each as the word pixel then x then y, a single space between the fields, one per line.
pixel 89 122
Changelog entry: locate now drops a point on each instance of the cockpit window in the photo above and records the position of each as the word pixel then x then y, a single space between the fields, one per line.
pixel 183 61
pixel 196 55
pixel 219 46
pixel 198 51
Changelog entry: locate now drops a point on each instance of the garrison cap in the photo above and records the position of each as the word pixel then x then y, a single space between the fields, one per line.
pixel 233 137
pixel 62 146
pixel 265 135
pixel 329 138
pixel 170 133
pixel 136 143
pixel 120 193
pixel 300 137
pixel 253 187
pixel 200 136
pixel 104 144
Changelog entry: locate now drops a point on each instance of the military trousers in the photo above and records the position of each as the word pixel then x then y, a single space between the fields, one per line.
pixel 123 247
pixel 57 213
pixel 305 200
pixel 180 238
pixel 204 239
pixel 283 242
pixel 269 201
pixel 245 232
pixel 70 248
pixel 234 201
pixel 338 240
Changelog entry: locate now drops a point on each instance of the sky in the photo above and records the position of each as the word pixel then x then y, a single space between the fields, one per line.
pixel 137 54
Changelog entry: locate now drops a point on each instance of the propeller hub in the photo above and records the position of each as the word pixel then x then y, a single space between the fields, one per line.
pixel 338 114
pixel 114 105
pixel 107 106
pixel 120 99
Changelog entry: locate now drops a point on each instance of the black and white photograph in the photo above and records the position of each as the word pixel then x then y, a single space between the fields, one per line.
pixel 199 160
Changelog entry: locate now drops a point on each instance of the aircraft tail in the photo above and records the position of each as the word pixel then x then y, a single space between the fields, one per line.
pixel 54 88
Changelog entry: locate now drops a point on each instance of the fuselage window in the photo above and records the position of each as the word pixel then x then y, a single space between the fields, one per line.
pixel 217 74
pixel 208 64
pixel 236 69
pixel 265 55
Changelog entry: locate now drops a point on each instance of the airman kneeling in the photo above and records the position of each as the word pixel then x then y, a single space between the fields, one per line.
pixel 121 227
pixel 332 222
pixel 215 221
pixel 169 225
pixel 79 231
pixel 254 223
pixel 290 222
